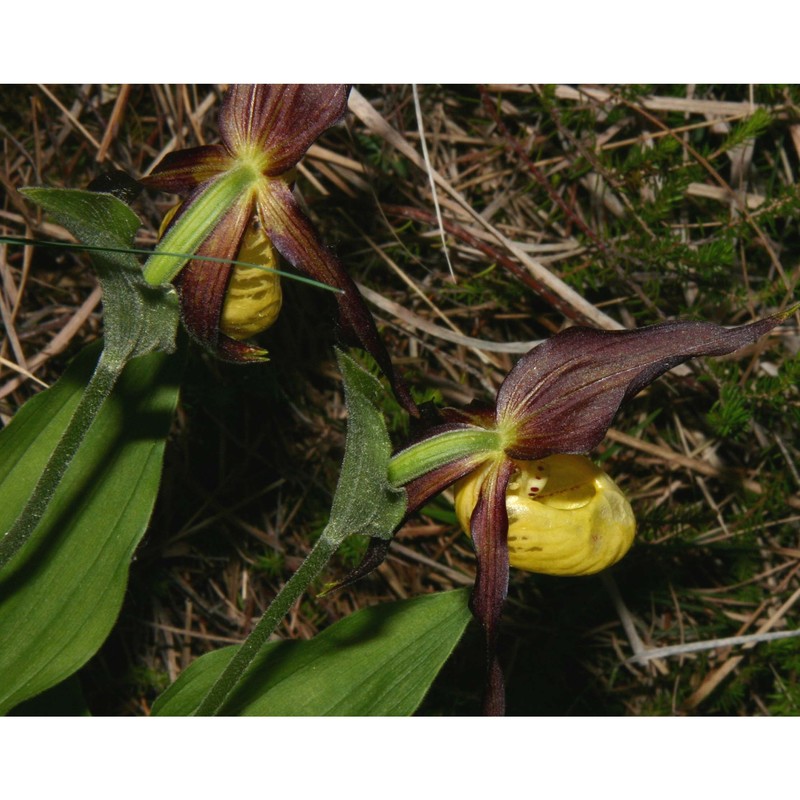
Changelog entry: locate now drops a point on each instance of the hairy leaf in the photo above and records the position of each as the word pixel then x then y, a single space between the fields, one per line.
pixel 137 318
pixel 365 502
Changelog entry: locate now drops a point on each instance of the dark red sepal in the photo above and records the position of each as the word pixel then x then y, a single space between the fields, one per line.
pixel 563 395
pixel 282 120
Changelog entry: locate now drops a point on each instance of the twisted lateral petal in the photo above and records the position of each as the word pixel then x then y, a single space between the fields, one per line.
pixel 297 241
pixel 183 170
pixel 562 396
pixel 282 120
pixel 475 413
pixel 489 527
pixel 202 284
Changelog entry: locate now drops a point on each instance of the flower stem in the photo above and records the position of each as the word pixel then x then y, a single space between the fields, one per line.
pixel 313 565
pixel 405 466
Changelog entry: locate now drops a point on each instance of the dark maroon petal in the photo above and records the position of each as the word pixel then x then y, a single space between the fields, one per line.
pixel 297 241
pixel 562 396
pixel 489 529
pixel 418 492
pixel 283 120
pixel 202 284
pixel 183 170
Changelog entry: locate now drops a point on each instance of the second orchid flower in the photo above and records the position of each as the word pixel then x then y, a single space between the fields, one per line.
pixel 238 204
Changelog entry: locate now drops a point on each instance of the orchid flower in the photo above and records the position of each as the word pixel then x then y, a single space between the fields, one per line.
pixel 238 205
pixel 523 491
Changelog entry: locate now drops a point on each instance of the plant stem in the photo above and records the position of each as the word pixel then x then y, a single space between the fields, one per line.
pixel 406 465
pixel 313 565
pixel 94 396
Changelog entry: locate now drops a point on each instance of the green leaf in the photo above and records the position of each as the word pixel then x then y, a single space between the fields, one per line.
pixel 365 502
pixel 138 318
pixel 60 595
pixel 379 661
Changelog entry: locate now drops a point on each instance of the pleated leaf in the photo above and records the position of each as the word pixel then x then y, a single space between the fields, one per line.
pixel 61 594
pixel 380 661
